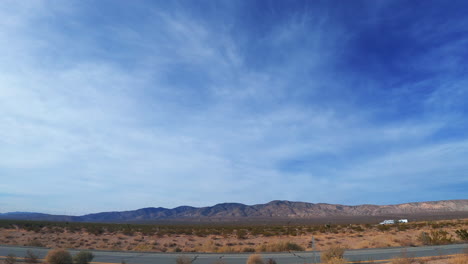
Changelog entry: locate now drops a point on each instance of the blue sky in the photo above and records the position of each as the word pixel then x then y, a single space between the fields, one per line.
pixel 118 105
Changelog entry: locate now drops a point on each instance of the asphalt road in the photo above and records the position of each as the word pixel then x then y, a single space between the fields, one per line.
pixel 281 258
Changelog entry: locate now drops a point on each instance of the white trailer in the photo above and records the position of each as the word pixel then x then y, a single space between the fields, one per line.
pixel 387 222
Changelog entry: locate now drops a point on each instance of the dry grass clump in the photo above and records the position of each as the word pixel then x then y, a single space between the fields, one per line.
pixel 333 255
pixel 255 259
pixel 460 259
pixel 462 234
pixel 280 247
pixel 183 260
pixel 364 244
pixel 83 257
pixel 226 249
pixel 59 256
pixel 436 237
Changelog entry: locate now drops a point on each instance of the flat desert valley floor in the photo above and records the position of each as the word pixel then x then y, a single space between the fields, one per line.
pixel 255 238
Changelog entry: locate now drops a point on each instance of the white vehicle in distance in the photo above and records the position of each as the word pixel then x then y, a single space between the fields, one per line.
pixel 391 222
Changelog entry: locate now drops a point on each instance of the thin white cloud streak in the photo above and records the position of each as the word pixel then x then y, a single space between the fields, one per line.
pixel 88 129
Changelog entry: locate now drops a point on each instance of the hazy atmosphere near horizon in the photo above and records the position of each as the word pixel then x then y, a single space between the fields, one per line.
pixel 120 105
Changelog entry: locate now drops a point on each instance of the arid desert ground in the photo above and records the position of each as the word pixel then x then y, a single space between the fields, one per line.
pixel 182 238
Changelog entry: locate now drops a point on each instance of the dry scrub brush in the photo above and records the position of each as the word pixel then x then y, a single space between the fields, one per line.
pixel 435 237
pixel 462 234
pixel 183 260
pixel 280 247
pixel 59 256
pixel 83 257
pixel 333 255
pixel 460 259
pixel 255 259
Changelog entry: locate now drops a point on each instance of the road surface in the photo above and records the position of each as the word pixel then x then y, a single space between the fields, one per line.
pixel 102 257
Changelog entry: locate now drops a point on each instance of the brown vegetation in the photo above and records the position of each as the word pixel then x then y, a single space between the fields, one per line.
pixel 59 256
pixel 255 259
pixel 460 259
pixel 183 260
pixel 333 255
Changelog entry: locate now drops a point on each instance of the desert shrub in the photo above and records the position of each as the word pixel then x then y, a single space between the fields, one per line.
pixel 425 238
pixel 255 259
pixel 10 259
pixel 128 232
pixel 270 261
pixel 95 230
pixel 332 254
pixel 441 237
pixel 280 247
pixel 357 228
pixel 177 249
pixel 383 227
pixel 35 243
pixel 183 260
pixel 268 234
pixel 31 257
pixel 59 256
pixel 241 234
pixel 291 246
pixel 436 237
pixel 226 249
pixel 83 257
pixel 201 233
pixel 34 228
pixel 402 227
pixel 462 234
pixel 256 231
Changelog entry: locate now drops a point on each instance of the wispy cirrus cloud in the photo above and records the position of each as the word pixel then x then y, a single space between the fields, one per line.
pixel 167 106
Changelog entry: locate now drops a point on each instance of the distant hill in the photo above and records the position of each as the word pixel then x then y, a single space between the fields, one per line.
pixel 274 210
pixel 39 217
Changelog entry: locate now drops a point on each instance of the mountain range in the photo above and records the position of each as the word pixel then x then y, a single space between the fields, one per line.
pixel 274 210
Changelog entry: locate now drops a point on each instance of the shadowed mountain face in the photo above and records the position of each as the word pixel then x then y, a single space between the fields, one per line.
pixel 273 210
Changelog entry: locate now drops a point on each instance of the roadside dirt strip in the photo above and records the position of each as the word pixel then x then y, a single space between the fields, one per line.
pixel 362 255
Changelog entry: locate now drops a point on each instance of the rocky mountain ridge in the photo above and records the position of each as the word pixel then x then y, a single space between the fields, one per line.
pixel 272 210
